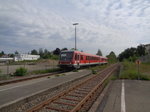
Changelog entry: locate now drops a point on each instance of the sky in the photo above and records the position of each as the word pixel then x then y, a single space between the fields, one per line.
pixel 108 25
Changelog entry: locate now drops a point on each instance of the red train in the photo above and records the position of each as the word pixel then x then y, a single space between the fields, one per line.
pixel 76 59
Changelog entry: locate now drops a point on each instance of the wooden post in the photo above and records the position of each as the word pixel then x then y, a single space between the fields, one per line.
pixel 7 67
pixel 138 62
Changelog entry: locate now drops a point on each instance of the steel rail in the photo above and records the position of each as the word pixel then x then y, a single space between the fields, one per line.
pixel 37 107
pixel 94 83
pixel 80 105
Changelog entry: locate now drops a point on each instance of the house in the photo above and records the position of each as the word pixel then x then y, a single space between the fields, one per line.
pixel 147 48
pixel 22 57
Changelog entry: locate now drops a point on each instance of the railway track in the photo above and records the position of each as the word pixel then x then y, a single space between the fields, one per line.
pixel 77 98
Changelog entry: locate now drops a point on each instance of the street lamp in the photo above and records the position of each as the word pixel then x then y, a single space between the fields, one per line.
pixel 75 35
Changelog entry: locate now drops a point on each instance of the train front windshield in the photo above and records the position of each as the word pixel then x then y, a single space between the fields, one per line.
pixel 66 56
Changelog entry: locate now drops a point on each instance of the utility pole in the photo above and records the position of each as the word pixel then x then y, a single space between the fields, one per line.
pixel 75 36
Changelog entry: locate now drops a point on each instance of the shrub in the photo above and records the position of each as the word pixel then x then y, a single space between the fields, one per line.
pixel 54 57
pixel 94 71
pixel 144 77
pixel 21 71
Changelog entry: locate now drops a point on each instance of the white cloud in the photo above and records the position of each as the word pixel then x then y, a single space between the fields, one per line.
pixel 109 25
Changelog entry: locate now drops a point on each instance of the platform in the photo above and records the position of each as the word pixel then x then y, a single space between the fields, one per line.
pixel 17 91
pixel 127 96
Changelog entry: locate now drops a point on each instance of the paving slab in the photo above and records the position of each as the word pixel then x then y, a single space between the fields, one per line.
pixel 128 96
pixel 17 91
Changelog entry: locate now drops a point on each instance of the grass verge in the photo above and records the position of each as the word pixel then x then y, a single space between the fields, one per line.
pixel 45 71
pixel 22 73
pixel 130 71
pixel 96 69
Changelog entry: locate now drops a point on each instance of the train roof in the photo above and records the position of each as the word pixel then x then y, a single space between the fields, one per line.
pixel 83 53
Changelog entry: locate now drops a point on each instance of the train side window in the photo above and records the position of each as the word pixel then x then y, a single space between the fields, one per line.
pixel 81 57
pixel 78 57
pixel 75 56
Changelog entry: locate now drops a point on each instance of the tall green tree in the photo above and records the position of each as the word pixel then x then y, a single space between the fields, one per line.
pixel 112 57
pixel 47 54
pixel 99 52
pixel 63 49
pixel 127 53
pixel 141 50
pixel 41 53
pixel 2 53
pixel 34 52
pixel 132 54
pixel 16 52
pixel 74 49
pixel 56 51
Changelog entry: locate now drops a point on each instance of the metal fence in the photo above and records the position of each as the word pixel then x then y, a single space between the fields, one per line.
pixel 7 68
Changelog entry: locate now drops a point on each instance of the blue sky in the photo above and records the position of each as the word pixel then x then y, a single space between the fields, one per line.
pixel 109 25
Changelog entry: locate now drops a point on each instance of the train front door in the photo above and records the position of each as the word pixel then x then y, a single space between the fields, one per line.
pixel 77 58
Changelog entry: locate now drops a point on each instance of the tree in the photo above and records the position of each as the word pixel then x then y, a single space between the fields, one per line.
pixel 2 53
pixel 41 53
pixel 112 57
pixel 131 54
pixel 99 52
pixel 73 49
pixel 34 52
pixel 128 53
pixel 11 55
pixel 46 54
pixel 57 51
pixel 16 52
pixel 63 49
pixel 141 50
pixel 46 51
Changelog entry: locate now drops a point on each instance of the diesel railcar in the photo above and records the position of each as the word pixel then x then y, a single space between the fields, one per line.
pixel 76 59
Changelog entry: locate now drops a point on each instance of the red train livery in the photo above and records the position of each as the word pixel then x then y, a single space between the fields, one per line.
pixel 76 59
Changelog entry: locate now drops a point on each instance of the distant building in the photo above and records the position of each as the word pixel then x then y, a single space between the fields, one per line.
pixel 6 59
pixel 22 57
pixel 147 48
pixel 5 56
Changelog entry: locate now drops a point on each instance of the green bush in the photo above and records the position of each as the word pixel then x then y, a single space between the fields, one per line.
pixel 94 71
pixel 144 77
pixel 21 71
pixel 54 57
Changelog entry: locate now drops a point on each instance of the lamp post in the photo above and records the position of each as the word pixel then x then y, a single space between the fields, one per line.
pixel 75 35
